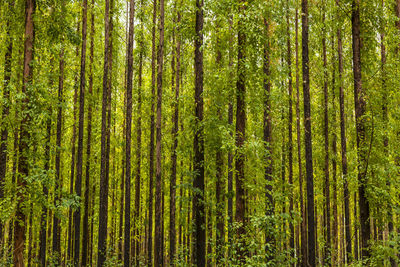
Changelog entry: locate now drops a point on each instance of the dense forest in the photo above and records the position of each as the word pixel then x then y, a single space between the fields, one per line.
pixel 199 133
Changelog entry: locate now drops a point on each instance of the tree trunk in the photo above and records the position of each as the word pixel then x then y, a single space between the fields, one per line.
pixel 151 154
pixel 269 236
pixel 5 113
pixel 335 228
pixel 290 129
pixel 78 180
pixel 23 164
pixel 139 145
pixel 303 252
pixel 198 164
pixel 73 156
pixel 127 231
pixel 343 144
pixel 158 238
pixel 327 213
pixel 308 136
pixel 103 207
pixel 240 130
pixel 43 223
pixel 175 87
pixel 58 183
pixel 360 106
pixel 85 230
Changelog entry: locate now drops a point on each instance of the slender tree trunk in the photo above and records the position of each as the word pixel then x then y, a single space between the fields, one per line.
pixel 360 106
pixel 335 228
pixel 240 130
pixel 308 135
pixel 290 129
pixel 219 163
pixel 103 207
pixel 43 223
pixel 158 238
pixel 85 230
pixel 58 183
pixel 152 126
pixel 269 237
pixel 230 154
pixel 78 180
pixel 343 143
pixel 73 156
pixel 175 87
pixel 5 113
pixel 303 252
pixel 23 165
pixel 198 164
pixel 139 144
pixel 327 213
pixel 127 231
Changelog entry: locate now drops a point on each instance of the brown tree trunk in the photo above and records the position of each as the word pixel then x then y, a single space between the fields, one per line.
pixel 343 143
pixel 139 145
pixel 152 125
pixel 43 223
pixel 360 106
pixel 175 87
pixel 198 164
pixel 290 129
pixel 327 213
pixel 308 135
pixel 269 237
pixel 335 228
pixel 219 163
pixel 158 238
pixel 230 154
pixel 240 130
pixel 78 180
pixel 103 207
pixel 56 246
pixel 303 252
pixel 23 165
pixel 73 157
pixel 127 231
pixel 85 229
pixel 5 113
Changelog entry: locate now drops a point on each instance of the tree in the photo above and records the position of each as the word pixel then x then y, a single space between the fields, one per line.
pixel 360 111
pixel 23 164
pixel 308 135
pixel 103 209
pixel 198 147
pixel 158 238
pixel 240 128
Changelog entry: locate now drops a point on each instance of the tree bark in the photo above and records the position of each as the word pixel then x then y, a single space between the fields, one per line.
pixel 5 113
pixel 290 129
pixel 308 136
pixel 152 126
pixel 103 207
pixel 327 213
pixel 175 87
pixel 85 230
pixel 269 236
pixel 360 107
pixel 23 164
pixel 139 144
pixel 240 130
pixel 303 239
pixel 56 246
pixel 127 231
pixel 198 164
pixel 78 180
pixel 158 238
